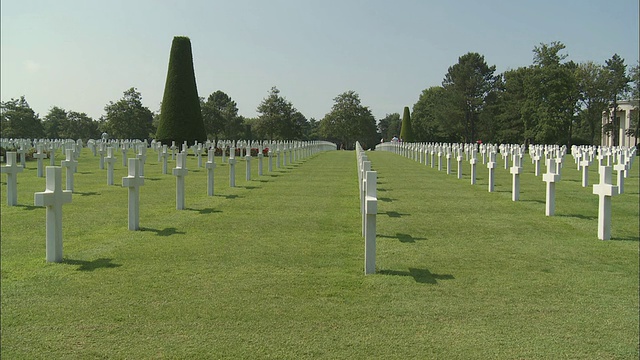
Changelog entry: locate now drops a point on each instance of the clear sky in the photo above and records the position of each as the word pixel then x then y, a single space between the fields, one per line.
pixel 81 54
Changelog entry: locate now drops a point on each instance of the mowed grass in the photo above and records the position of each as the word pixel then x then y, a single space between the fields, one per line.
pixel 274 267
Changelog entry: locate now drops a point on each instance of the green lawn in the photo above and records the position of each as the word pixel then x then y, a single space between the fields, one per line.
pixel 274 267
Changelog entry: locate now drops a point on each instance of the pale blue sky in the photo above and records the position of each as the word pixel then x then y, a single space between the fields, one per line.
pixel 80 55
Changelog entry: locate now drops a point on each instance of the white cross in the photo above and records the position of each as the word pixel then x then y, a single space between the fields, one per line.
pixel 101 151
pixel 12 169
pixel 23 152
pixel 52 156
pixel 53 198
pixel 585 171
pixel 173 148
pixel 40 156
pixel 210 165
pixel 621 168
pixel 142 155
pixel 516 170
pixel 473 161
pixel 370 212
pixel 70 165
pixel 110 160
pixel 180 171
pixel 133 182
pixel 550 178
pixel 124 149
pixel 232 166
pixel 605 190
pixel 491 165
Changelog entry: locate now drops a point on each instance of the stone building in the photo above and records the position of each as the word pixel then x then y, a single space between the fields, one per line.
pixel 627 109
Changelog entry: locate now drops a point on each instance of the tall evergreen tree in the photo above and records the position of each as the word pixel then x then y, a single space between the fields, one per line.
pixel 278 119
pixel 406 133
pixel 181 117
pixel 618 85
pixel 220 114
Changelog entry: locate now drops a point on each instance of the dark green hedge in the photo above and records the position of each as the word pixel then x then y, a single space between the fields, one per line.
pixel 180 117
pixel 406 132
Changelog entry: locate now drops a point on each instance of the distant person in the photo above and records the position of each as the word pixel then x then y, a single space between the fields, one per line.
pixel 394 139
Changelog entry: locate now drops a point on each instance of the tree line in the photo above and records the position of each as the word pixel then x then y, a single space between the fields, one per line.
pixel 552 101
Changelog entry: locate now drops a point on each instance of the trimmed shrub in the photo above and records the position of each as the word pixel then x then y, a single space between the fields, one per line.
pixel 180 115
pixel 406 133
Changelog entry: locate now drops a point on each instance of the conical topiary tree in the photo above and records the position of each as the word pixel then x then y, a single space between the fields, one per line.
pixel 406 133
pixel 180 116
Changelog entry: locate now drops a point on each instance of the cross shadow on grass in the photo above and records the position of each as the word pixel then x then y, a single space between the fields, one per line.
pixel 404 238
pixel 205 211
pixel 386 199
pixel 423 276
pixel 577 216
pixel 625 238
pixel 393 214
pixel 164 232
pixel 102 263
pixel 30 207
pixel 534 200
pixel 233 196
pixel 91 193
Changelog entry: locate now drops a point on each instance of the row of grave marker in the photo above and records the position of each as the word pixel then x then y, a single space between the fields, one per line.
pixel 54 197
pixel 552 155
pixel 367 182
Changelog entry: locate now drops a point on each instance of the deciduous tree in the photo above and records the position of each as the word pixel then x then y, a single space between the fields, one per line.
pixel 349 121
pixel 128 118
pixel 18 120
